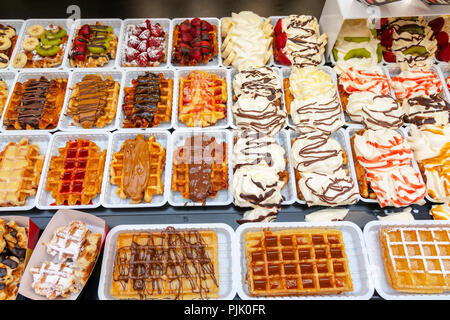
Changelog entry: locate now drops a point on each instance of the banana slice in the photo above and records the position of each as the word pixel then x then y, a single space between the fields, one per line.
pixel 8 32
pixel 5 43
pixel 29 44
pixel 20 60
pixel 4 60
pixel 36 31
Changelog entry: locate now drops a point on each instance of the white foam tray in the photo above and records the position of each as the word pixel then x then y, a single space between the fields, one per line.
pixel 16 24
pixel 116 24
pixel 110 198
pixel 27 74
pixel 184 73
pixel 59 139
pixel 371 237
pixel 226 246
pixel 66 122
pixel 42 139
pixel 358 262
pixel 166 24
pixel 129 75
pixel 289 192
pixel 223 197
pixel 215 61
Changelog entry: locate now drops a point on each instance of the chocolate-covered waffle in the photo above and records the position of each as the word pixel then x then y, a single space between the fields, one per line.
pixel 8 39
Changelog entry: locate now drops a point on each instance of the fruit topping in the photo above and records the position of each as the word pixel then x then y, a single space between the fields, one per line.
pixel 389 56
pixel 442 38
pixel 278 27
pixel 436 24
pixel 280 40
pixel 444 53
pixel 357 53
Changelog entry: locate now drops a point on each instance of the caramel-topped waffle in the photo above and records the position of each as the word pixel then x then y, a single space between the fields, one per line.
pixel 148 102
pixel 168 264
pixel 3 94
pixel 93 101
pixel 202 99
pixel 75 175
pixel 200 168
pixel 416 260
pixel 20 171
pixel 35 104
pixel 296 262
pixel 137 169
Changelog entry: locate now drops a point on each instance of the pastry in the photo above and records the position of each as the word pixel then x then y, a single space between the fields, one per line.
pixel 94 46
pixel 35 104
pixel 246 40
pixel 137 169
pixel 93 102
pixel 75 175
pixel 4 93
pixel 167 264
pixel 297 41
pixel 294 262
pixel 194 42
pixel 8 40
pixel 145 45
pixel 202 99
pixel 440 211
pixel 257 96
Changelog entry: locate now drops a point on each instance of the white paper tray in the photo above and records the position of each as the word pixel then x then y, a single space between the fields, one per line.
pixel 215 61
pixel 183 73
pixel 66 122
pixel 16 24
pixel 371 237
pixel 42 139
pixel 223 197
pixel 354 247
pixel 129 75
pixel 27 74
pixel 166 24
pixel 226 246
pixel 59 139
pixel 110 198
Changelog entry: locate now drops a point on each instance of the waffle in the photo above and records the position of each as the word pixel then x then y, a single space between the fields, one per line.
pixel 13 246
pixel 137 169
pixel 35 104
pixel 20 170
pixel 202 99
pixel 192 273
pixel 200 168
pixel 3 94
pixel 416 260
pixel 148 102
pixel 296 262
pixel 93 101
pixel 9 32
pixel 54 280
pixel 75 175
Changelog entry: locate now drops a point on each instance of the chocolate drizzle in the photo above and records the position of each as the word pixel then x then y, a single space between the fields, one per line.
pixel 146 98
pixel 425 110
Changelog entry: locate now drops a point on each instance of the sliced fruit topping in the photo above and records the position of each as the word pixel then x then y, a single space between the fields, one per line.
pixel 442 38
pixel 278 27
pixel 20 60
pixel 416 51
pixel 444 53
pixel 335 54
pixel 50 41
pixel 389 56
pixel 436 24
pixel 85 31
pixel 357 39
pixel 411 28
pixel 379 53
pixel 47 51
pixel 280 40
pixel 56 33
pixel 387 37
pixel 283 59
pixel 36 31
pixel 30 43
pixel 357 53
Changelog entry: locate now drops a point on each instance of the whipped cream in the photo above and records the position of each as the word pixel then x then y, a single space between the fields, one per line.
pixel 327 215
pixel 404 215
pixel 372 80
pixel 421 110
pixel 417 82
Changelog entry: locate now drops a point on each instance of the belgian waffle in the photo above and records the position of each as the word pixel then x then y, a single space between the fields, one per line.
pixel 3 94
pixel 75 175
pixel 416 259
pixel 296 262
pixel 202 99
pixel 93 101
pixel 35 104
pixel 20 170
pixel 54 280
pixel 191 265
pixel 148 102
pixel 137 169
pixel 200 168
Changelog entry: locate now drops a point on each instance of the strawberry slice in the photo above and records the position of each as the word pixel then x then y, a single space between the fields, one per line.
pixel 186 37
pixel 386 38
pixel 278 27
pixel 280 40
pixel 142 59
pixel 283 59
pixel 444 53
pixel 156 30
pixel 196 22
pixel 436 24
pixel 153 43
pixel 206 26
pixel 389 56
pixel 131 54
pixel 133 41
pixel 442 38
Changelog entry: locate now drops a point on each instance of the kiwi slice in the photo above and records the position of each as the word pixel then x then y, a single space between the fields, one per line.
pixel 101 28
pixel 357 39
pixel 416 51
pixel 55 34
pixel 47 51
pixel 335 54
pixel 50 42
pixel 379 52
pixel 357 53
pixel 374 32
pixel 411 28
pixel 97 47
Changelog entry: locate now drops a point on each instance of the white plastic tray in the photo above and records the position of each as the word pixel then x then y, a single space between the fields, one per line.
pixel 184 73
pixel 110 198
pixel 66 122
pixel 59 139
pixel 444 72
pixel 16 24
pixel 371 237
pixel 129 75
pixel 354 247
pixel 27 74
pixel 179 136
pixel 226 247
pixel 10 78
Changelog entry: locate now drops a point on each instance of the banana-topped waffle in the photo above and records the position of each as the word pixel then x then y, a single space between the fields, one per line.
pixel 13 246
pixel 148 102
pixel 294 262
pixel 93 101
pixel 8 40
pixel 20 171
pixel 137 169
pixel 416 259
pixel 202 99
pixel 4 92
pixel 200 168
pixel 167 264
pixel 75 175
pixel 35 104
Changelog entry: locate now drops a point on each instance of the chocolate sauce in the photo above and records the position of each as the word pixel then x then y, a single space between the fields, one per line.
pixel 146 98
pixel 432 105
